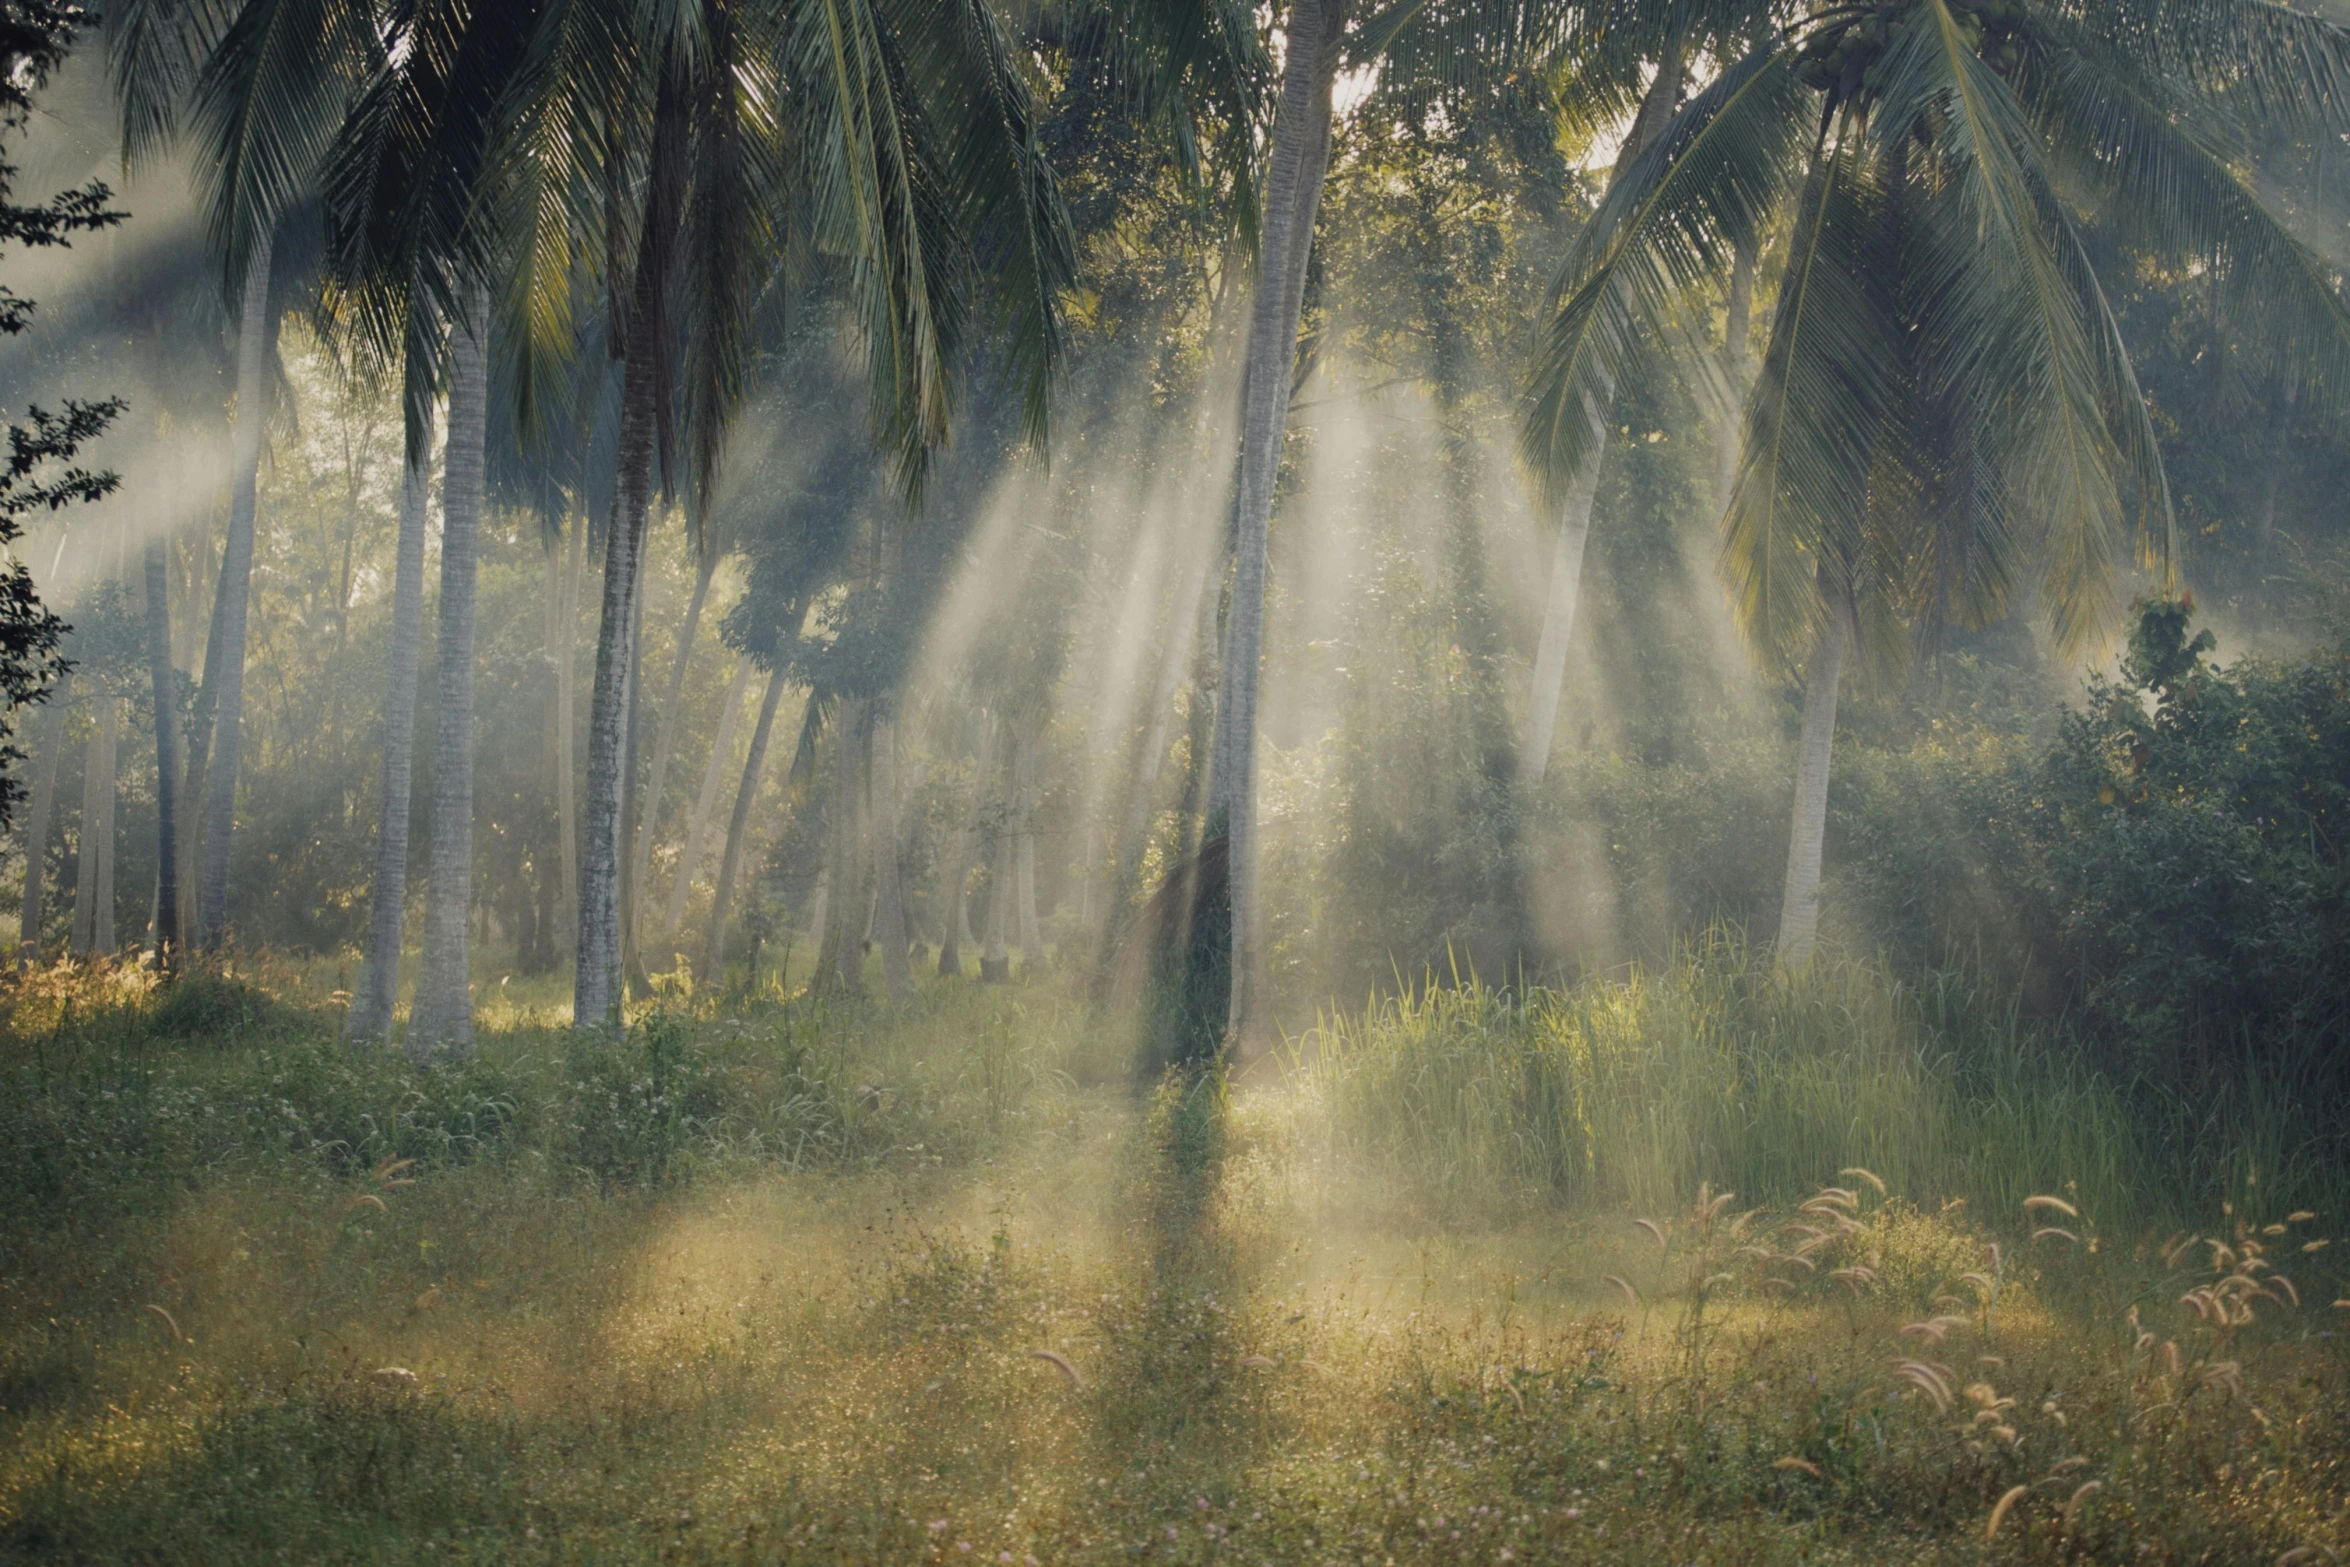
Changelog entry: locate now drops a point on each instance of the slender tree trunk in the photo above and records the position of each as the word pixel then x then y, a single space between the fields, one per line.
pixel 443 1012
pixel 37 819
pixel 665 721
pixel 995 959
pixel 236 588
pixel 1799 913
pixel 632 807
pixel 889 907
pixel 1566 571
pixel 167 714
pixel 954 882
pixel 379 980
pixel 1293 195
pixel 93 906
pixel 713 776
pixel 738 828
pixel 596 990
pixel 562 648
pixel 2264 551
pixel 1032 956
pixel 844 969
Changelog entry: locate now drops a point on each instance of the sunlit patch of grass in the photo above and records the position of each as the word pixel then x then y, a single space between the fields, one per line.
pixel 937 1286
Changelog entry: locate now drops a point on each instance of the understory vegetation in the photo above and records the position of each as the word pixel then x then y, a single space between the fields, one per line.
pixel 1711 1263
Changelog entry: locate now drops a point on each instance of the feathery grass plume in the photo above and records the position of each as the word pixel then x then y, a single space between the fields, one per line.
pixel 2065 1466
pixel 1259 1362
pixel 1869 1176
pixel 2280 1279
pixel 365 1200
pixel 2064 1235
pixel 398 1379
pixel 1928 1379
pixel 1793 1465
pixel 169 1321
pixel 2081 1493
pixel 1654 1230
pixel 1631 1295
pixel 2170 1258
pixel 2056 1203
pixel 2015 1493
pixel 2300 1216
pixel 2308 1246
pixel 1062 1361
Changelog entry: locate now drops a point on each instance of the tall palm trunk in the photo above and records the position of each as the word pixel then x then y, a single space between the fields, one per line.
pixel 738 827
pixel 1293 196
pixel 443 1014
pixel 954 880
pixel 1799 912
pixel 93 882
pixel 995 958
pixel 665 720
pixel 1032 959
pixel 38 818
pixel 167 716
pixel 889 905
pixel 697 829
pixel 562 632
pixel 235 599
pixel 1566 567
pixel 379 981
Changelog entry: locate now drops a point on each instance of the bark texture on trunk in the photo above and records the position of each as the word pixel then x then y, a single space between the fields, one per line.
pixel 955 883
pixel 42 812
pixel 562 648
pixel 995 958
pixel 738 829
pixel 93 881
pixel 443 1013
pixel 166 683
pixel 235 600
pixel 889 906
pixel 1799 912
pixel 844 938
pixel 379 980
pixel 713 778
pixel 1293 196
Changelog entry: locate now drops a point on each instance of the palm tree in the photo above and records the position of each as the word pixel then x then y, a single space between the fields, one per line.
pixel 165 680
pixel 1945 408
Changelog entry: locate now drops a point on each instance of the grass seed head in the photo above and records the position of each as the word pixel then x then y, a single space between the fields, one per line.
pixel 2015 1493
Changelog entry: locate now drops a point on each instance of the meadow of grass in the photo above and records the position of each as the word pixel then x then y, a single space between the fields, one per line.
pixel 1706 1265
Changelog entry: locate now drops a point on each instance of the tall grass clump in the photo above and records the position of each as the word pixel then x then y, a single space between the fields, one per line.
pixel 1720 1065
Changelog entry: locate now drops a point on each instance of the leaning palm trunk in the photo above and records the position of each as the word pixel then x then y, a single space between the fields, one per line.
pixel 738 829
pixel 1293 196
pixel 665 719
pixel 697 829
pixel 443 1013
pixel 379 982
pixel 93 881
pixel 889 907
pixel 954 883
pixel 37 819
pixel 166 683
pixel 1566 567
pixel 235 598
pixel 1799 913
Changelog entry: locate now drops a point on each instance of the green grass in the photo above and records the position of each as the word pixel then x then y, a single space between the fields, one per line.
pixel 772 1287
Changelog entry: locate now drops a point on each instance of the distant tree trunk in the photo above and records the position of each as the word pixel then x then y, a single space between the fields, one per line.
pixel 954 882
pixel 1799 913
pixel 2264 550
pixel 561 647
pixel 738 828
pixel 235 590
pixel 167 714
pixel 1293 195
pixel 443 1011
pixel 889 908
pixel 372 1008
pixel 1032 957
pixel 730 709
pixel 665 722
pixel 1566 571
pixel 995 959
pixel 93 882
pixel 42 812
pixel 842 962
pixel 632 796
